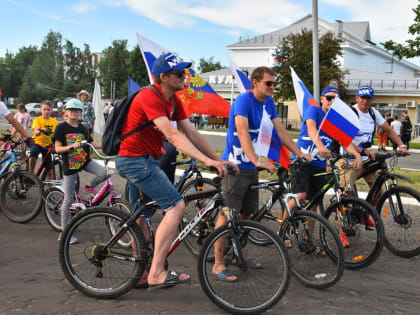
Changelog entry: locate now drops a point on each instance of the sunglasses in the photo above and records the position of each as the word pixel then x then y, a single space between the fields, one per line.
pixel 178 73
pixel 270 83
pixel 329 97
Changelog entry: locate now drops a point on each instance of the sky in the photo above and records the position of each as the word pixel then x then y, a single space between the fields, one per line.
pixel 193 29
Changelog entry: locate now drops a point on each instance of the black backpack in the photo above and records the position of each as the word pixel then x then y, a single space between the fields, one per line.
pixel 111 139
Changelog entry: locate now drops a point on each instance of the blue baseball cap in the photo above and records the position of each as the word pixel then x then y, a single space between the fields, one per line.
pixel 74 103
pixel 366 90
pixel 168 62
pixel 332 89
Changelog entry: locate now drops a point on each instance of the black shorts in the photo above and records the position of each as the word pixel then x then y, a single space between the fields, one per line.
pixel 237 192
pixel 302 179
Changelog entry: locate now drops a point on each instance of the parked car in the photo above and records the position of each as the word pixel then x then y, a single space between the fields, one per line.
pixel 34 109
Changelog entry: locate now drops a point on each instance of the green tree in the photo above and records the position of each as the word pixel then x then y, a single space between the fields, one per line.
pixel 411 47
pixel 296 51
pixel 48 69
pixel 137 67
pixel 208 65
pixel 113 67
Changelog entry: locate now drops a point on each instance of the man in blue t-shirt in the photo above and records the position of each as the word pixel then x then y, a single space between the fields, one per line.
pixel 244 123
pixel 303 183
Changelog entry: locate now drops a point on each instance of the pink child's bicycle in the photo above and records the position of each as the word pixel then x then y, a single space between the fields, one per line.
pixel 53 198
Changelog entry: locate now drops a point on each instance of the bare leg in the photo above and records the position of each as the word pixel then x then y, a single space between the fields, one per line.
pixel 219 246
pixel 32 163
pixel 165 234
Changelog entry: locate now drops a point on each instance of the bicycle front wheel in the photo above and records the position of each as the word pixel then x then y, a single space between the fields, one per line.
pixel 402 233
pixel 315 251
pixel 93 269
pixel 53 200
pixel 361 230
pixel 255 290
pixel 195 239
pixel 21 196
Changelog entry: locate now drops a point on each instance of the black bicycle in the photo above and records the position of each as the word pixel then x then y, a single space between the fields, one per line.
pixel 398 206
pixel 357 221
pixel 100 267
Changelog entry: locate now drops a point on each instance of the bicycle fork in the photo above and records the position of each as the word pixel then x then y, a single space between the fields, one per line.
pixel 234 233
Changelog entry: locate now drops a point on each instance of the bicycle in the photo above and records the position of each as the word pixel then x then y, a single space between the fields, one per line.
pixel 21 190
pixel 90 265
pixel 186 186
pixel 354 218
pixel 399 206
pixel 53 198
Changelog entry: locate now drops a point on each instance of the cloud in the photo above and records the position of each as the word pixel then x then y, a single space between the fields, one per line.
pixel 387 19
pixel 248 15
pixel 164 12
pixel 82 8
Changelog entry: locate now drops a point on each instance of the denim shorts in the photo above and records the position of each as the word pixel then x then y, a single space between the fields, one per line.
pixel 144 172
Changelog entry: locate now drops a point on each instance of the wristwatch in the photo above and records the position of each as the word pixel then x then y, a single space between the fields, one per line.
pixel 402 146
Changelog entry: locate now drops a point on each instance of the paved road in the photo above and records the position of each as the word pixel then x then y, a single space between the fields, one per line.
pixel 31 282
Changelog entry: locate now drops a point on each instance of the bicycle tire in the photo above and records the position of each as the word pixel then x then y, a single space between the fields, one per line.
pixel 93 274
pixel 53 199
pixel 273 278
pixel 317 256
pixel 366 243
pixel 194 240
pixel 271 219
pixel 21 196
pixel 121 204
pixel 58 171
pixel 401 238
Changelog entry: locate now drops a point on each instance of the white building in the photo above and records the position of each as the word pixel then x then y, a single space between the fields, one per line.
pixel 396 84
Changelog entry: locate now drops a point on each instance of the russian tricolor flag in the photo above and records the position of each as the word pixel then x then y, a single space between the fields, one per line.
pixel 269 144
pixel 198 96
pixel 304 98
pixel 341 122
pixel 132 86
pixel 244 84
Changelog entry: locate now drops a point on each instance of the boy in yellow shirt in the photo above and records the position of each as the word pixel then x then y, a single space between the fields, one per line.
pixel 43 128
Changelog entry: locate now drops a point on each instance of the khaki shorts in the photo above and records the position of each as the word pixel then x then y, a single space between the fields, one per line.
pixel 349 176
pixel 237 192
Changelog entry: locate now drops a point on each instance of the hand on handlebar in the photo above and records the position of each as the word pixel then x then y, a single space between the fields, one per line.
pixel 217 166
pixel 307 157
pixel 402 150
pixel 271 168
pixel 76 145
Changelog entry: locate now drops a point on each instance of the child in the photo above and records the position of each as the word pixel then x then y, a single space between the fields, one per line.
pixel 43 127
pixel 67 139
pixel 23 118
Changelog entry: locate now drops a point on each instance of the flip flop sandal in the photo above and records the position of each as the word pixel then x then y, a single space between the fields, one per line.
pixel 172 279
pixel 250 263
pixel 222 275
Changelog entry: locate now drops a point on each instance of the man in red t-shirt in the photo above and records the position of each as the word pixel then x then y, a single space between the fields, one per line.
pixel 138 154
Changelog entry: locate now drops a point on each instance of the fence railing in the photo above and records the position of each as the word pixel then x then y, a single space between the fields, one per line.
pixel 384 84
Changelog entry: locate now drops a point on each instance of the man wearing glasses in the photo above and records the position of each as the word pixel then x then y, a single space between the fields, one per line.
pixel 369 118
pixel 317 144
pixel 137 158
pixel 244 123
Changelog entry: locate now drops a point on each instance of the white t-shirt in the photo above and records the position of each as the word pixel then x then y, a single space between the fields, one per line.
pixel 3 110
pixel 396 126
pixel 368 125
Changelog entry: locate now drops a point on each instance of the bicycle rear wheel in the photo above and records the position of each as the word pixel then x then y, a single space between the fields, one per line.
pixel 362 227
pixel 21 196
pixel 114 225
pixel 53 199
pixel 255 290
pixel 92 270
pixel 194 240
pixel 402 235
pixel 316 253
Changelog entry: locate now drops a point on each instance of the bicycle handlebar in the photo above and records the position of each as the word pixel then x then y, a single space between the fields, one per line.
pixel 85 143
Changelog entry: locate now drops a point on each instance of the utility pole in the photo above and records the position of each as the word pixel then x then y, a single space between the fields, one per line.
pixel 315 44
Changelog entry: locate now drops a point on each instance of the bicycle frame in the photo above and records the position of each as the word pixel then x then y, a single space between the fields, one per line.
pixel 6 162
pixel 216 201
